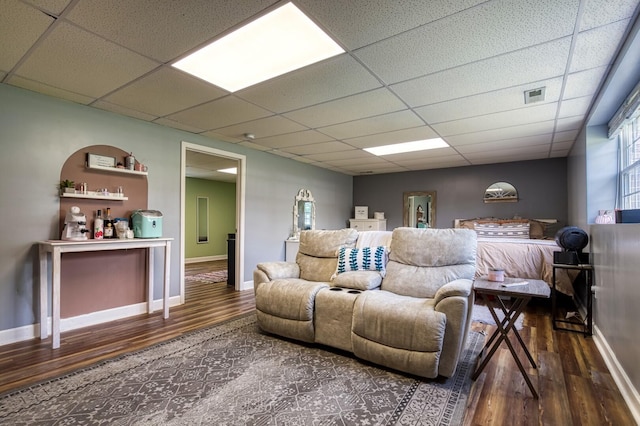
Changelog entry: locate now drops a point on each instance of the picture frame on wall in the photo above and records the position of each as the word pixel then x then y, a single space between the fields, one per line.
pixel 95 160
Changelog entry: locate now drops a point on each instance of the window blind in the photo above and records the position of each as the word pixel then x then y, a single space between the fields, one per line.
pixel 627 111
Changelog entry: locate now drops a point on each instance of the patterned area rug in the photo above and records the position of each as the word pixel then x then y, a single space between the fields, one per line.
pixel 214 277
pixel 481 314
pixel 232 374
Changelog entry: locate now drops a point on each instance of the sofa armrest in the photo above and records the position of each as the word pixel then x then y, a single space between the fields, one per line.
pixel 278 270
pixel 459 287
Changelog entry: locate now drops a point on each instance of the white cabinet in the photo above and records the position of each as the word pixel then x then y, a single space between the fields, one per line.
pixel 291 250
pixel 368 224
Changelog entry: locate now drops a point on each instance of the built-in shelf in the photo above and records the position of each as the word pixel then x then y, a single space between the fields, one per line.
pixel 93 196
pixel 117 170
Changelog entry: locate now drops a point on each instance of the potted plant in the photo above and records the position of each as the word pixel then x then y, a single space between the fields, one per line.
pixel 67 186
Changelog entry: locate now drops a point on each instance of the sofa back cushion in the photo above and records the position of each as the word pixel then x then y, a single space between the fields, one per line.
pixel 423 260
pixel 318 252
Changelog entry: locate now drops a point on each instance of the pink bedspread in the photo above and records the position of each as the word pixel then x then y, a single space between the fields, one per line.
pixel 522 258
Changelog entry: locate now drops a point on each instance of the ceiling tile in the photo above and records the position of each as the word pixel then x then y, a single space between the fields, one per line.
pixel 505 144
pixel 324 81
pixel 163 29
pixel 568 136
pixel 532 114
pixel 372 125
pixel 20 27
pixel 516 69
pixel 569 123
pixel 263 127
pixel 513 132
pixel 220 113
pixel 319 148
pixel 36 86
pixel 490 29
pixel 164 92
pixel 118 109
pixel 510 158
pixel 53 6
pixel 575 107
pixel 360 23
pixel 99 66
pixel 292 139
pixel 421 161
pixel 598 13
pixel 583 83
pixel 487 103
pixel 426 155
pixel 519 152
pixel 596 47
pixel 177 125
pixel 338 155
pixel 375 102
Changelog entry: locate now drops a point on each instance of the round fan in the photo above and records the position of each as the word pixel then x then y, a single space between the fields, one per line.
pixel 572 238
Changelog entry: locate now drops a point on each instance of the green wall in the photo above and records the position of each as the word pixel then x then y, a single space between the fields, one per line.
pixel 222 216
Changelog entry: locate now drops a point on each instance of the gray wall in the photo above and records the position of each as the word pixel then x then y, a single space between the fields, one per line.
pixel 541 186
pixel 38 133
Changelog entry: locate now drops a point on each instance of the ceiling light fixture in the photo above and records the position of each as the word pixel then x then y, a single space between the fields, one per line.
pixel 274 44
pixel 400 148
pixel 231 171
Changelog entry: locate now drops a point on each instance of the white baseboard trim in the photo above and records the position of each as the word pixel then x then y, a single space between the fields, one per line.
pixel 32 331
pixel 205 258
pixel 247 285
pixel 628 391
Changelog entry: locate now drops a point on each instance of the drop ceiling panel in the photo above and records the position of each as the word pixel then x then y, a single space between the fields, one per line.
pixel 569 123
pixel 57 92
pixel 20 28
pixel 505 144
pixel 163 29
pixel 359 23
pixel 427 154
pixel 220 113
pixel 318 148
pixel 416 162
pixel 372 125
pixel 568 136
pixel 575 107
pixel 490 29
pixel 119 109
pixel 292 139
pixel 53 6
pixel 532 114
pixel 517 68
pixel 598 13
pixel 487 103
pixel 270 126
pixel 597 47
pixel 583 83
pixel 164 92
pixel 177 125
pixel 334 78
pixel 514 132
pixel 375 102
pixel 99 65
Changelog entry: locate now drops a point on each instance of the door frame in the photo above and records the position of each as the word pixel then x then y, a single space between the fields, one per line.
pixel 240 208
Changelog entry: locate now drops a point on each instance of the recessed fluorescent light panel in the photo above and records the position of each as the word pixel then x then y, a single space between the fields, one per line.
pixel 231 171
pixel 400 148
pixel 274 44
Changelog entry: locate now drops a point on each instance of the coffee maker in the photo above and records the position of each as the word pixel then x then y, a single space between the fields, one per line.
pixel 75 225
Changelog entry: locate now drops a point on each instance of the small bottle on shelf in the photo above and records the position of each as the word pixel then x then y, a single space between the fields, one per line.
pixel 109 231
pixel 98 226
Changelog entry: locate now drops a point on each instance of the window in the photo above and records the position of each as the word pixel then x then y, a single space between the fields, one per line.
pixel 629 139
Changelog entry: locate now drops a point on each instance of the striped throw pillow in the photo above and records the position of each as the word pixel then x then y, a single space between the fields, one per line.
pixel 509 230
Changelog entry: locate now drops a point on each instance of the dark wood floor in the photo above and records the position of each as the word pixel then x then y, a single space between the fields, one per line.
pixel 573 382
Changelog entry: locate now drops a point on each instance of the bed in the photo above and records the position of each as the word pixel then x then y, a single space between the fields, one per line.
pixel 507 244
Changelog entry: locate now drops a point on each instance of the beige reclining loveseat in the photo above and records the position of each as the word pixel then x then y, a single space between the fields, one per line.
pixel 411 313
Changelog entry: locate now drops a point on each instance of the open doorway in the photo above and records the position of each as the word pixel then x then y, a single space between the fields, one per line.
pixel 207 161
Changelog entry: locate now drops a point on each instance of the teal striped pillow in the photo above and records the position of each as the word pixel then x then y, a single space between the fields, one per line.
pixel 362 259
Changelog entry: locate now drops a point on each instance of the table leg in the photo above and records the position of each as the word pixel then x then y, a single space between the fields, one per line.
pixel 55 296
pixel 167 278
pixel 150 263
pixel 44 294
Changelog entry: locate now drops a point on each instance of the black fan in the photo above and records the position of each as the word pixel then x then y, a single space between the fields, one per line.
pixel 572 238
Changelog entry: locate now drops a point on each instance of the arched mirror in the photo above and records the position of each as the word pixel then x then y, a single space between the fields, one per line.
pixel 501 192
pixel 419 209
pixel 304 212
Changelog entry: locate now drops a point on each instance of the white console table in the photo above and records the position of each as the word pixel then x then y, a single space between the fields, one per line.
pixel 57 247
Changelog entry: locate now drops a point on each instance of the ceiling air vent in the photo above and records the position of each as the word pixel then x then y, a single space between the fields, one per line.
pixel 534 95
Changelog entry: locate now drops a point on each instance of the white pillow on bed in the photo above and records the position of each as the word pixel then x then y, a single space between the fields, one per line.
pixel 508 230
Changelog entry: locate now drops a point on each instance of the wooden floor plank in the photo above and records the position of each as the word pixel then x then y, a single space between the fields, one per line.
pixel 574 384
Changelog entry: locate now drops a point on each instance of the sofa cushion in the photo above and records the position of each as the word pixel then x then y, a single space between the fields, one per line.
pixel 362 259
pixel 423 260
pixel 324 243
pixel 359 280
pixel 289 298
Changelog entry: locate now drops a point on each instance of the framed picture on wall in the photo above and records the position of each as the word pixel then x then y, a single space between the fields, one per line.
pixel 94 160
